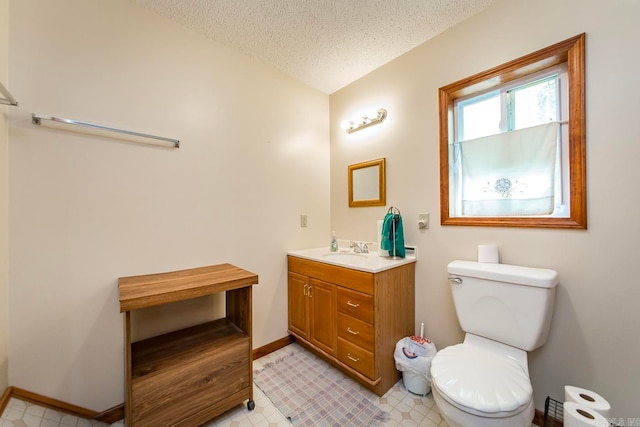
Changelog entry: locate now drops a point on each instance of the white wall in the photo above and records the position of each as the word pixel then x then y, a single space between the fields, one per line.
pixel 4 199
pixel 593 342
pixel 85 210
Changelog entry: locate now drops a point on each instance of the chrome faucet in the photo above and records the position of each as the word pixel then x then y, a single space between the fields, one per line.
pixel 360 247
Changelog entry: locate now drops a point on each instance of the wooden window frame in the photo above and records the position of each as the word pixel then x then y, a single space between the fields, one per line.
pixel 571 52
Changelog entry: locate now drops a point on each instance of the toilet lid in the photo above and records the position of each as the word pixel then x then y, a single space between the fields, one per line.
pixel 482 381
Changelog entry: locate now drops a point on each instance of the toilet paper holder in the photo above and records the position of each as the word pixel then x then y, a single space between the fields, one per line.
pixel 554 413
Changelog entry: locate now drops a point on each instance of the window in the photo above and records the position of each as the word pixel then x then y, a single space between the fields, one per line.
pixel 492 174
pixel 512 143
pixel 527 102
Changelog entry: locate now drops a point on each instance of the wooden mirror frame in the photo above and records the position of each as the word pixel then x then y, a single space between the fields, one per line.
pixel 571 52
pixel 382 192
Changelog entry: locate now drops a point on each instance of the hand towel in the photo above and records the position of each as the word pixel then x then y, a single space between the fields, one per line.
pixel 393 234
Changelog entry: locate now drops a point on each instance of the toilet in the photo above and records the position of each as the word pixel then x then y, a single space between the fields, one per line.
pixel 505 311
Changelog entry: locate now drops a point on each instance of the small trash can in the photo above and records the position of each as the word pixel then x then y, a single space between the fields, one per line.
pixel 413 356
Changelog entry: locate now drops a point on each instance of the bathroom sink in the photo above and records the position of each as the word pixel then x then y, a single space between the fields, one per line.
pixel 345 256
pixel 369 262
pixel 351 259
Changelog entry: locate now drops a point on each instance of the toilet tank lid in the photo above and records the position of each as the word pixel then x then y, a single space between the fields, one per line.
pixel 538 277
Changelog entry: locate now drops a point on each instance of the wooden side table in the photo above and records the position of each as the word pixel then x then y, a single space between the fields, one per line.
pixel 188 377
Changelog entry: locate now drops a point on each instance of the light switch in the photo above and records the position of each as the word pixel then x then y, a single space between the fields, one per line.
pixel 423 221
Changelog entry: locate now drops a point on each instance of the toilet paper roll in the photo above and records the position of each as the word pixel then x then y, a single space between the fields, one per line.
pixel 577 415
pixel 588 398
pixel 381 252
pixel 489 254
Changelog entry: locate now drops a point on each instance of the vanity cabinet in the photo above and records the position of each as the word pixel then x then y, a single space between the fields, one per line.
pixel 352 318
pixel 187 377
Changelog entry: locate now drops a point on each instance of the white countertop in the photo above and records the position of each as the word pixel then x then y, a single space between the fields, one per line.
pixel 370 262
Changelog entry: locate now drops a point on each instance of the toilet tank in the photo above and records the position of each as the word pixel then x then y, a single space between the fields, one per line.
pixel 506 303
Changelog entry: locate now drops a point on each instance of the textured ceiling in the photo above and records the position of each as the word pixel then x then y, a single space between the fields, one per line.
pixel 326 44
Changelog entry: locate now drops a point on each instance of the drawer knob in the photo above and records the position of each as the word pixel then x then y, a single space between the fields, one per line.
pixel 355 359
pixel 355 305
pixel 351 331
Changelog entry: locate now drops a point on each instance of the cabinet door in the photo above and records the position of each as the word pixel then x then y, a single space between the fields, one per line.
pixel 323 315
pixel 298 304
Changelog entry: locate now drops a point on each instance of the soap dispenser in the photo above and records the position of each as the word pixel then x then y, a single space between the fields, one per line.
pixel 334 242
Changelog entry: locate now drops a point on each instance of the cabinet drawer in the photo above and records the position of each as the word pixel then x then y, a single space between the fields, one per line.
pixel 356 331
pixel 356 357
pixel 354 279
pixel 355 304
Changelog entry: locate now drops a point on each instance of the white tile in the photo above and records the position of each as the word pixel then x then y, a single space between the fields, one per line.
pixel 17 404
pixel 84 423
pixel 421 409
pixel 53 415
pixel 426 422
pixel 68 420
pixel 11 414
pixel 434 416
pixel 31 420
pixel 49 423
pixel 277 417
pixel 35 410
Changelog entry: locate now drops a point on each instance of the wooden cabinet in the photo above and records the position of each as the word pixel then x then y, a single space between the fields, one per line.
pixel 312 311
pixel 188 377
pixel 298 304
pixel 352 318
pixel 322 315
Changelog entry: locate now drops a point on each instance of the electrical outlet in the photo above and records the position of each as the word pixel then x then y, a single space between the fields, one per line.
pixel 423 221
pixel 303 220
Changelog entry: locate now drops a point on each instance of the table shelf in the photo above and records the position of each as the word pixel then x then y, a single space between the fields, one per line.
pixel 189 376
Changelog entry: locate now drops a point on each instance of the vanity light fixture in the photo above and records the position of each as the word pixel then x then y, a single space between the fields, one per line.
pixel 367 120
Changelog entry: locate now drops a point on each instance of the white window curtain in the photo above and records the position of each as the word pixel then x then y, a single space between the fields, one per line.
pixel 511 173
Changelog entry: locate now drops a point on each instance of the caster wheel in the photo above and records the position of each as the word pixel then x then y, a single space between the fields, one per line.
pixel 251 405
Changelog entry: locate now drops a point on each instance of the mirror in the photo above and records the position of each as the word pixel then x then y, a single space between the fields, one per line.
pixel 367 184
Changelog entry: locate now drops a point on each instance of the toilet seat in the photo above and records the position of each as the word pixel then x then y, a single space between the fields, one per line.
pixel 480 382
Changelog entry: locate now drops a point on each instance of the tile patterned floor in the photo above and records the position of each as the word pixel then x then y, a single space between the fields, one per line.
pixel 405 409
pixel 23 414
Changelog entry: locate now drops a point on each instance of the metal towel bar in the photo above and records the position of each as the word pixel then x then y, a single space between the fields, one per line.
pixel 36 119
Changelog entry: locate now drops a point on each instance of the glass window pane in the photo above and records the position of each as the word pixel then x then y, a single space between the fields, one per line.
pixel 536 103
pixel 479 117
